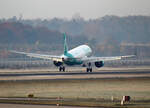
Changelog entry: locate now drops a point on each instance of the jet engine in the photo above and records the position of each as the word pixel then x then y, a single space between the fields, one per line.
pixel 99 64
pixel 57 63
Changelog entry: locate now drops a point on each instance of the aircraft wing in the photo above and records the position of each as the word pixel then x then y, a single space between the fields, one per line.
pixel 42 56
pixel 95 59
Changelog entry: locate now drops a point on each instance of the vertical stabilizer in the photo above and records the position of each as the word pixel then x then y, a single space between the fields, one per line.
pixel 65 45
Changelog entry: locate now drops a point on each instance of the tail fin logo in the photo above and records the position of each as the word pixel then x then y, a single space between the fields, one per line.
pixel 65 45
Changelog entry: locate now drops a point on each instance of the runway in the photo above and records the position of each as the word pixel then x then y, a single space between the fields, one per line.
pixel 75 74
pixel 75 87
pixel 35 106
pixel 72 73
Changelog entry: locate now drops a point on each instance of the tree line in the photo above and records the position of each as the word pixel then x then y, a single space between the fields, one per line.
pixel 105 35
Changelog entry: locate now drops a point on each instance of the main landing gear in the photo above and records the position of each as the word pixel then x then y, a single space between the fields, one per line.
pixel 62 68
pixel 89 68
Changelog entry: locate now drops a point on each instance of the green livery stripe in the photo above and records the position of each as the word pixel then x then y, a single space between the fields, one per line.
pixel 72 60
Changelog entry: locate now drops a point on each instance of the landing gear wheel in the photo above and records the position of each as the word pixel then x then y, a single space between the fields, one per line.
pixel 88 69
pixel 62 68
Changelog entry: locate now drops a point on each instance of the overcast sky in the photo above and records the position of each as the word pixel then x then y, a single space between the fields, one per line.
pixel 67 8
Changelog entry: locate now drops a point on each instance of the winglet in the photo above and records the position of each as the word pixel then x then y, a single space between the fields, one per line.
pixel 65 45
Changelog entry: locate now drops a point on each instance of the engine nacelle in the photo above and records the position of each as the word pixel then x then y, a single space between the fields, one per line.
pixel 57 63
pixel 99 64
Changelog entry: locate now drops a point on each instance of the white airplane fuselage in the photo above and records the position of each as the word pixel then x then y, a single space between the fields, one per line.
pixel 73 57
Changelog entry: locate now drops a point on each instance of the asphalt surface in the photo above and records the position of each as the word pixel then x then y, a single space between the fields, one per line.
pixel 72 75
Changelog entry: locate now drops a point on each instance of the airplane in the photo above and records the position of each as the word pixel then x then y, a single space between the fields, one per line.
pixel 80 55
